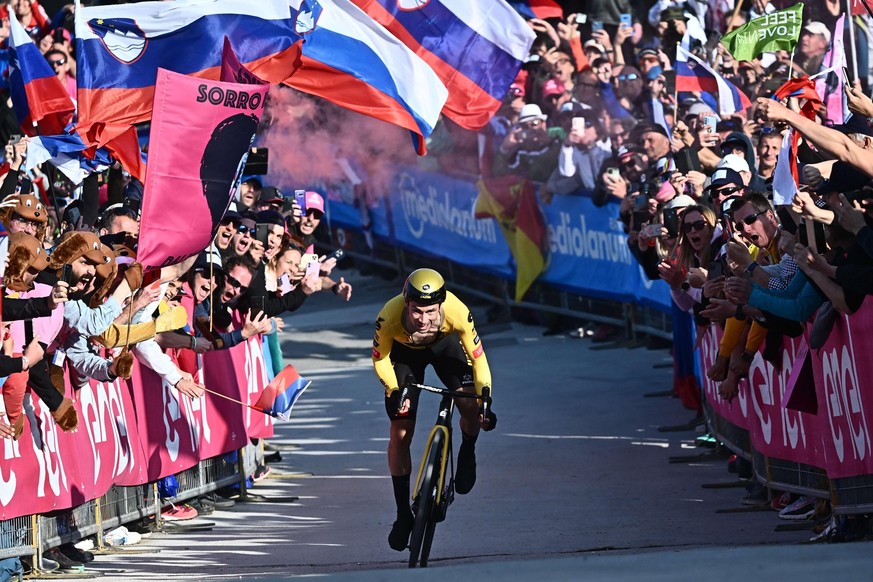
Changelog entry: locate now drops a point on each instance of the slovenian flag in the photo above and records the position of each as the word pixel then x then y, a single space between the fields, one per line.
pixel 476 48
pixel 280 395
pixel 541 9
pixel 693 74
pixel 39 99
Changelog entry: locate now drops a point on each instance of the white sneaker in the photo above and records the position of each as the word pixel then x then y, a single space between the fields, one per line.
pixel 803 508
pixel 132 538
pixel 85 545
pixel 116 537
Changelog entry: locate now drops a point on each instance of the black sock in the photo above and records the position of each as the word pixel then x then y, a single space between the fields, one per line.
pixel 467 440
pixel 401 493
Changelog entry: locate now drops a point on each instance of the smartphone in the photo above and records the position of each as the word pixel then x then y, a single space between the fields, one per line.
pixel 578 124
pixel 313 269
pixel 14 138
pixel 300 198
pixel 596 25
pixel 308 259
pixel 710 123
pixel 262 232
pixel 687 160
pixel 626 20
pixel 337 254
pixel 641 203
pixel 671 222
pixel 67 274
pixel 858 195
pixel 729 124
pixel 613 172
pixel 652 231
pixel 256 306
pixel 786 220
pixel 581 18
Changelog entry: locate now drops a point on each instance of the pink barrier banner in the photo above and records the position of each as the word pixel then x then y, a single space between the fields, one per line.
pixel 843 369
pixel 201 132
pixel 131 433
pixel 774 431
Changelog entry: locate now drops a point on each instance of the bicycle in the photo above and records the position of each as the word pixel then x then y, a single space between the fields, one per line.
pixel 434 492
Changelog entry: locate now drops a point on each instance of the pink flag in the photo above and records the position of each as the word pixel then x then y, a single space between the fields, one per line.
pixel 201 134
pixel 233 71
pixel 829 85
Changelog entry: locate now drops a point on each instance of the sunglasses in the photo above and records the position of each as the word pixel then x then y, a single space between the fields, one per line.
pixel 58 62
pixel 723 192
pixel 516 92
pixel 234 283
pixel 242 229
pixel 627 77
pixel 563 61
pixel 749 220
pixel 697 225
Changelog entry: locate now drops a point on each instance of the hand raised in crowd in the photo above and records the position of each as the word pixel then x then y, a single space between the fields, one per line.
pixel 811 176
pixel 541 26
pixel 671 273
pixel 714 287
pixel 850 217
pixel 256 251
pixel 58 294
pixel 696 277
pixel 603 38
pixel 704 137
pixel 190 388
pixel 622 34
pixel 569 29
pixel 34 352
pixel 296 212
pixel 773 111
pixel 344 289
pixel 857 101
pixel 311 284
pixel 327 266
pixel 697 180
pixel 803 204
pixel 6 430
pixel 738 290
pixel 146 297
pixel 16 154
pixel 681 131
pixel 808 260
pixel 739 254
pixel 258 325
pixel 677 180
pixel 615 185
pixel 719 310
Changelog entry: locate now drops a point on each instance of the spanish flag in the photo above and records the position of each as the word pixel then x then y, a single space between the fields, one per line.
pixel 512 202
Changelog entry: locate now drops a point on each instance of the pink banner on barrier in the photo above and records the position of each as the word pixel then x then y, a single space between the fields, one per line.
pixel 201 132
pixel 845 405
pixel 130 434
pixel 774 431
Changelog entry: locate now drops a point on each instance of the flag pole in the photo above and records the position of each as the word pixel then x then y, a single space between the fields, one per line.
pixel 226 397
pixel 851 38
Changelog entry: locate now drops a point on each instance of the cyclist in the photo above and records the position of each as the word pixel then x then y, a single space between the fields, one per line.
pixel 427 325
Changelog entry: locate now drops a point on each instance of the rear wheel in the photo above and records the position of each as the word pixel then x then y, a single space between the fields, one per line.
pixel 425 520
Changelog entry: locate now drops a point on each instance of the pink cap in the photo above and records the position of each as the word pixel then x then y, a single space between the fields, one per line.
pixel 314 201
pixel 553 87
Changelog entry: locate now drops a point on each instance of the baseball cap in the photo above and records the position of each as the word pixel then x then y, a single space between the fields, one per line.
pixel 314 201
pixel 553 87
pixel 816 27
pixel 271 194
pixel 723 177
pixel 531 111
pixel 595 45
pixel 270 217
pixel 734 162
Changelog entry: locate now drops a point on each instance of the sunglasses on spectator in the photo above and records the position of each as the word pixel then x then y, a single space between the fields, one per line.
pixel 516 92
pixel 227 221
pixel 627 77
pixel 696 225
pixel 749 220
pixel 531 124
pixel 58 62
pixel 723 192
pixel 25 222
pixel 242 229
pixel 234 283
pixel 563 61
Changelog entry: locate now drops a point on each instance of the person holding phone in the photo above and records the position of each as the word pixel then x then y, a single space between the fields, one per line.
pixel 580 158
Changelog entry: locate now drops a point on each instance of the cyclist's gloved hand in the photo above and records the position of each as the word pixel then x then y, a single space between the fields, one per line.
pixel 490 421
pixel 399 401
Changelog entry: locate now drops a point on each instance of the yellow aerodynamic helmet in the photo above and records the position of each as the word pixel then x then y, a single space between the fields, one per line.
pixel 425 287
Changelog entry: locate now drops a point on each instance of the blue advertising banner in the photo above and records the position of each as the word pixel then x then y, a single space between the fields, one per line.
pixel 589 253
pixel 433 214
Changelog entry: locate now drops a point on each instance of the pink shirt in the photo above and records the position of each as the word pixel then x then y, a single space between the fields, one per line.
pixel 46 328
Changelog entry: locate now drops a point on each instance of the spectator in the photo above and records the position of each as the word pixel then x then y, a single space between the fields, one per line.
pixel 581 159
pixel 531 148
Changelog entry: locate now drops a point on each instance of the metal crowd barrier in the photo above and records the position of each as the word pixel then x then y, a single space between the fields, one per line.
pixel 31 535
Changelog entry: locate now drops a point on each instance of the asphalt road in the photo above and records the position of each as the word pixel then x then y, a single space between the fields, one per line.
pixel 573 484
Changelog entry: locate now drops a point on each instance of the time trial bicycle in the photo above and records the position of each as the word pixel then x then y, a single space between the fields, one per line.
pixel 435 485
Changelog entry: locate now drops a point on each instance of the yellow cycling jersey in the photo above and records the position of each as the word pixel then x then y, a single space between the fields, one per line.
pixel 455 318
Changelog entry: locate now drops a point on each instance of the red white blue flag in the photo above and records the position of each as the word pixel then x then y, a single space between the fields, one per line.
pixel 692 74
pixel 351 60
pixel 476 48
pixel 279 397
pixel 541 9
pixel 38 96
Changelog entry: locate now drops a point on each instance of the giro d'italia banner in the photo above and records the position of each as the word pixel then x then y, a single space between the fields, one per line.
pixel 201 134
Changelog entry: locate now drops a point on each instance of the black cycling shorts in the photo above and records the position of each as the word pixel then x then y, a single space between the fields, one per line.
pixel 449 361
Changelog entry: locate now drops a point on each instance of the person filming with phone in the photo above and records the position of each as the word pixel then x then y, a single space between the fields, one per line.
pixel 580 161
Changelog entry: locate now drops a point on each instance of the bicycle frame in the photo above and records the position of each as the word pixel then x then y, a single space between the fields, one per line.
pixel 444 425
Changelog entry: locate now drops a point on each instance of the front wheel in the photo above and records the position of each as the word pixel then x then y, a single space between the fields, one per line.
pixel 425 520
